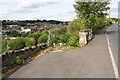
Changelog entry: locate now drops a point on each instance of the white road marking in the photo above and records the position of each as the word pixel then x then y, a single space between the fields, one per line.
pixel 115 68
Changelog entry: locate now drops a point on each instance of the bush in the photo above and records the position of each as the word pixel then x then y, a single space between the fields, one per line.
pixel 60 31
pixel 29 42
pixel 4 46
pixel 62 38
pixel 43 38
pixel 63 30
pixel 45 32
pixel 74 41
pixel 35 36
pixel 16 44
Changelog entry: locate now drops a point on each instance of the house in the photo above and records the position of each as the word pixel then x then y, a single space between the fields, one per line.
pixel 25 31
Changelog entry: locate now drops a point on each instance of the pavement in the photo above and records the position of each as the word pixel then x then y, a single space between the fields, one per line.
pixel 91 61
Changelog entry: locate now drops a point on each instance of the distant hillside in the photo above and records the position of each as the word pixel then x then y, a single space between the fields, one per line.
pixel 25 22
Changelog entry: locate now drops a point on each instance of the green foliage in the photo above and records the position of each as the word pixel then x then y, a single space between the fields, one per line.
pixel 92 12
pixel 18 60
pixel 13 33
pixel 60 31
pixel 63 30
pixel 62 38
pixel 4 46
pixel 60 35
pixel 56 31
pixel 20 23
pixel 73 41
pixel 29 42
pixel 24 22
pixel 45 32
pixel 76 25
pixel 16 44
pixel 43 38
pixel 35 36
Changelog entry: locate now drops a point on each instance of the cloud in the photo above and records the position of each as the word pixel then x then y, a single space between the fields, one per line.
pixel 37 9
pixel 25 6
pixel 65 12
pixel 114 4
pixel 69 11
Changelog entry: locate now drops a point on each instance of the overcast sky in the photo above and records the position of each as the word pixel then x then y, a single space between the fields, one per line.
pixel 43 9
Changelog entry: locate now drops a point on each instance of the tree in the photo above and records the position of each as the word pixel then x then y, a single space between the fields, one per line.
pixel 16 44
pixel 76 25
pixel 91 12
pixel 43 38
pixel 29 42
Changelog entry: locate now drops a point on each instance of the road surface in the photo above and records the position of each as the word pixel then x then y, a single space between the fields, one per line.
pixel 112 32
pixel 113 35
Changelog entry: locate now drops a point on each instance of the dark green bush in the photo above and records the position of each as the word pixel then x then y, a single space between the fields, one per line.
pixel 43 38
pixel 29 42
pixel 60 31
pixel 4 45
pixel 35 36
pixel 73 41
pixel 16 44
pixel 63 38
pixel 45 32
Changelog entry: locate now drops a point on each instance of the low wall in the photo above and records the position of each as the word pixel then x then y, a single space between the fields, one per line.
pixel 18 57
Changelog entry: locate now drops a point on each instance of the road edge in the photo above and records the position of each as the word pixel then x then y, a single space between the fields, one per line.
pixel 114 65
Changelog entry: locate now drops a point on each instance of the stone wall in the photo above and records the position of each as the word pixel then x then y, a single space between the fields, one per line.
pixel 85 37
pixel 14 58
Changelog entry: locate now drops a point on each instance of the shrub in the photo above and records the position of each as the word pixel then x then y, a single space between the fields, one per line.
pixel 55 31
pixel 60 31
pixel 43 38
pixel 16 44
pixel 18 60
pixel 45 32
pixel 62 38
pixel 4 46
pixel 35 36
pixel 74 41
pixel 63 30
pixel 29 42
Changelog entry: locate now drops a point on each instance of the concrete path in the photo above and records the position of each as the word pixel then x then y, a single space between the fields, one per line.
pixel 91 61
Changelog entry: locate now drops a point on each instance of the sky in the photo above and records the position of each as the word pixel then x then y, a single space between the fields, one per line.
pixel 62 10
